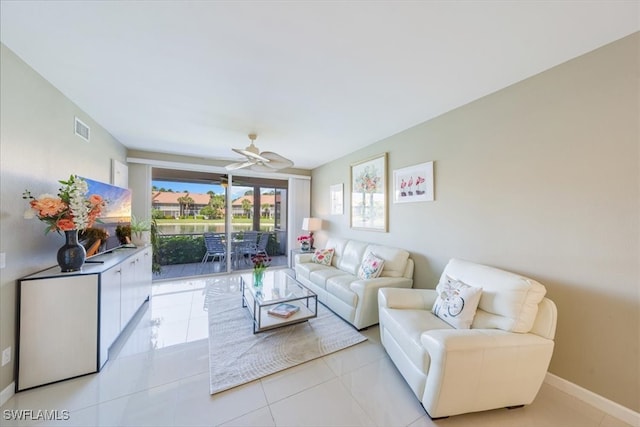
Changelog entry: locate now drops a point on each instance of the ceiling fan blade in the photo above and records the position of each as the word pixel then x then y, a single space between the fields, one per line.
pixel 267 161
pixel 250 155
pixel 276 161
pixel 239 165
pixel 263 167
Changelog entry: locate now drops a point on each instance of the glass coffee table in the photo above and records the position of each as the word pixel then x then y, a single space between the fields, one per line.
pixel 280 293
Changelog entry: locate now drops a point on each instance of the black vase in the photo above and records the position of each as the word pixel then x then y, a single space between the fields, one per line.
pixel 71 256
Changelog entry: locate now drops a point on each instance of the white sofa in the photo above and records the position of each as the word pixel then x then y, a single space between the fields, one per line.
pixel 501 361
pixel 339 288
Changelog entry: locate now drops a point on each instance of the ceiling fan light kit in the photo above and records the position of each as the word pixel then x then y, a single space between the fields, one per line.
pixel 266 161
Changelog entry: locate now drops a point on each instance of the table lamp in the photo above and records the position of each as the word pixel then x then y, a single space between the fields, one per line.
pixel 311 225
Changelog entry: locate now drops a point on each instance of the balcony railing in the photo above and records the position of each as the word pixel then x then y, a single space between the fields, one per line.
pixel 180 255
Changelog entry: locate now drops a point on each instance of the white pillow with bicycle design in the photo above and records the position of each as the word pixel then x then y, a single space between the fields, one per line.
pixel 456 303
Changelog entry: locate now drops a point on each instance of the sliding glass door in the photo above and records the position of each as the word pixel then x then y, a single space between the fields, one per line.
pixel 259 220
pixel 200 234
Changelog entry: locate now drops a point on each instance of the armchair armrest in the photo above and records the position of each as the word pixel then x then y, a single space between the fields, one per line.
pixel 440 341
pixel 472 366
pixel 366 313
pixel 411 299
pixel 366 285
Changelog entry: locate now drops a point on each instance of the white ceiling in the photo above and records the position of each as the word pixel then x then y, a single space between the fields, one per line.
pixel 195 78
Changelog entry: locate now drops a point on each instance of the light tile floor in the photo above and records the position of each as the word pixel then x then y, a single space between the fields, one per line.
pixel 158 375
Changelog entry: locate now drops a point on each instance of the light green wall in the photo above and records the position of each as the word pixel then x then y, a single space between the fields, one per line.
pixel 541 178
pixel 38 147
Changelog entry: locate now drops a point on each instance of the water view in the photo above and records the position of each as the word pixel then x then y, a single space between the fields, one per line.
pixel 203 227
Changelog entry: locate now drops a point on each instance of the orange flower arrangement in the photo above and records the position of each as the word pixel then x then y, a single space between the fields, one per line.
pixel 71 209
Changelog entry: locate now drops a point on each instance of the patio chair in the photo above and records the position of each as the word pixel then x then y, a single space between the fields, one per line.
pixel 263 241
pixel 248 246
pixel 215 247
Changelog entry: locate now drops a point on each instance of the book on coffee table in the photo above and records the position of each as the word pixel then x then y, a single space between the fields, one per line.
pixel 283 310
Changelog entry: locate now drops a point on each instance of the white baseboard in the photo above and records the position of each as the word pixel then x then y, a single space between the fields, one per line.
pixel 7 393
pixel 605 405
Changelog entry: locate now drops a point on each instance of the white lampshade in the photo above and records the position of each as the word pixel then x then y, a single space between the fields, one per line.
pixel 311 224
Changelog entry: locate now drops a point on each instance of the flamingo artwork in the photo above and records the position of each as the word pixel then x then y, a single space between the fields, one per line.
pixel 410 185
pixel 403 186
pixel 419 180
pixel 414 183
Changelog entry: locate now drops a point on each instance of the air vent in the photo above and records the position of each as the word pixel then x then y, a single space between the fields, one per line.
pixel 82 130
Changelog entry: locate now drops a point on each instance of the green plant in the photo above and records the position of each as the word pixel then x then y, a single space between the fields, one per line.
pixel 140 230
pixel 180 250
pixel 140 225
pixel 157 214
pixel 156 267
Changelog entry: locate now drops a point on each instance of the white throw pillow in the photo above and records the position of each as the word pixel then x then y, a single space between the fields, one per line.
pixel 456 303
pixel 371 267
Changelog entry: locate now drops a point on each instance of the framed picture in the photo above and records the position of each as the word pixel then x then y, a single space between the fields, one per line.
pixel 369 194
pixel 413 183
pixel 336 194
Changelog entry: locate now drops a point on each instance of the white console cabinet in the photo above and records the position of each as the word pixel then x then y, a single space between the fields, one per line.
pixel 68 321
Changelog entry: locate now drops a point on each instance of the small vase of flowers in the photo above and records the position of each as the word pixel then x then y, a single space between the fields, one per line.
pixel 305 242
pixel 71 209
pixel 260 264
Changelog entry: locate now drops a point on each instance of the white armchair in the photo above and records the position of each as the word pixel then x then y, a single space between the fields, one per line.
pixel 500 362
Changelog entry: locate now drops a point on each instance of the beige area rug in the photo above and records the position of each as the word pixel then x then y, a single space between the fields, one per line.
pixel 237 356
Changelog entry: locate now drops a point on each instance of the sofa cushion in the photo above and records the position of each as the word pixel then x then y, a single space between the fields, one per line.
pixel 352 256
pixel 323 256
pixel 338 245
pixel 456 303
pixel 508 302
pixel 371 266
pixel 320 275
pixel 304 269
pixel 395 260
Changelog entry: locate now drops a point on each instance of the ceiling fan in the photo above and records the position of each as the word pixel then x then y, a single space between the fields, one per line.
pixel 266 161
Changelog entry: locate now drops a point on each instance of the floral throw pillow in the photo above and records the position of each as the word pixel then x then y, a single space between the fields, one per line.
pixel 456 303
pixel 323 256
pixel 371 267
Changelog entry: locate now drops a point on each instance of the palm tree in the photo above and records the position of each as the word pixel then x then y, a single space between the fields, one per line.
pixel 265 210
pixel 246 207
pixel 185 202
